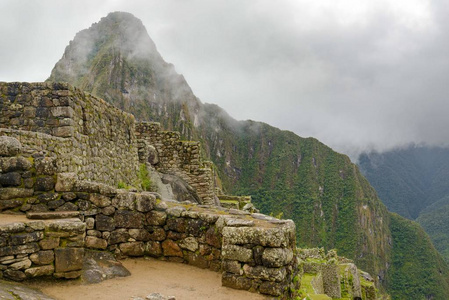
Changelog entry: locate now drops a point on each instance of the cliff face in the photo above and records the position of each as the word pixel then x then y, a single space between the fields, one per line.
pixel 331 203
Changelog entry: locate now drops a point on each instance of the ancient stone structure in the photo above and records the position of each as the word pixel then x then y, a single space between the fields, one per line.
pixel 96 141
pixel 256 252
pixel 174 156
pixel 63 153
pixel 334 276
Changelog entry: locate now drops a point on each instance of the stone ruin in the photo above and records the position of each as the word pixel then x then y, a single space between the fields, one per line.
pixel 63 155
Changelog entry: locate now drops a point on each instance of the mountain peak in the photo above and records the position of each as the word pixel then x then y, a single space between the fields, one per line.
pixel 115 59
pixel 117 34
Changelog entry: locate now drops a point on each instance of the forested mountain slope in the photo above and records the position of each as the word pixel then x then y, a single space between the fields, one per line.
pixel 413 182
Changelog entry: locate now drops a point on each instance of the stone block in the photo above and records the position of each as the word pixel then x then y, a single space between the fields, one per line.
pixel 276 257
pixel 55 203
pixel 189 243
pixel 43 257
pixel 170 248
pixel 68 259
pixel 153 248
pixel 100 200
pixel 19 249
pixel 24 238
pixel 67 275
pixel 108 210
pixel 10 179
pixel 53 215
pixel 196 227
pixel 21 265
pixel 40 271
pixel 96 233
pixel 177 224
pixel 232 266
pixel 15 275
pixel 196 260
pixel 156 233
pixel 234 252
pixel 90 223
pixel 282 236
pixel 268 274
pixel 36 225
pixel 13 164
pixel 47 197
pixel 176 211
pixel 145 202
pixel 104 223
pixel 272 288
pixel 62 111
pixel 44 184
pixel 9 146
pixel 153 155
pixel 64 228
pixel 12 228
pixel 132 248
pixel 124 200
pixel 45 165
pixel 128 219
pixel 65 182
pixel 96 243
pixel 119 236
pixel 156 218
pixel 69 196
pixel 235 281
pixel 176 236
pixel 235 222
pixel 9 204
pixel 140 234
pixel 13 192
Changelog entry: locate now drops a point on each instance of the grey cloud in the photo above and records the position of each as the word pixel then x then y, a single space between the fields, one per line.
pixel 374 83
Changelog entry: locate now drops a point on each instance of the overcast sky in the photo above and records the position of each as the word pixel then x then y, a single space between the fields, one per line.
pixel 355 74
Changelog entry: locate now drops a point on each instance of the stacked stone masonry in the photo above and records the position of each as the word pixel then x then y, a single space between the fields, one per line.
pixel 95 140
pixel 182 158
pixel 85 134
pixel 254 251
pixel 32 249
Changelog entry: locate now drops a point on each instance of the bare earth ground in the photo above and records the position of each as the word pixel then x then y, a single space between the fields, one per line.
pixel 150 276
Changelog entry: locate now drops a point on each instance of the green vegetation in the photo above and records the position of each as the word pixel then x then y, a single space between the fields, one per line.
pixel 417 270
pixel 413 183
pixel 122 185
pixel 144 177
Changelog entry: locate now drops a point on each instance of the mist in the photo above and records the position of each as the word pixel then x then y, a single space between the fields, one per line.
pixel 357 75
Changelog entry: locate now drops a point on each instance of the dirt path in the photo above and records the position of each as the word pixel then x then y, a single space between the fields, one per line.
pixel 150 276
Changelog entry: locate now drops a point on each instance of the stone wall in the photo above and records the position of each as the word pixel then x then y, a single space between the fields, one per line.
pixel 86 135
pixel 256 252
pixel 32 249
pixel 182 158
pixel 95 140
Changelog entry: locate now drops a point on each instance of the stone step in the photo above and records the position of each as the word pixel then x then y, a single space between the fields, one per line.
pixel 47 215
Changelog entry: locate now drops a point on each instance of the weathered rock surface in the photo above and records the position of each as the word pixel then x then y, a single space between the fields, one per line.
pixel 100 266
pixel 16 291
